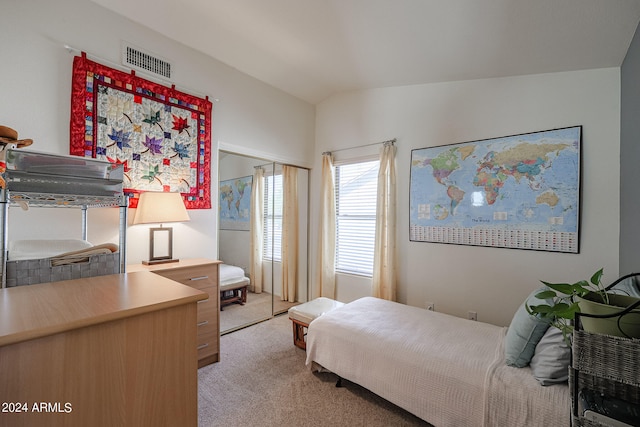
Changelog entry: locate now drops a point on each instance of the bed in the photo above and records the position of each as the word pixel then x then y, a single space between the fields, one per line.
pixel 446 370
pixel 233 285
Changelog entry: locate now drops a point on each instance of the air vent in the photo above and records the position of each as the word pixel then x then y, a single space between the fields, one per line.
pixel 137 58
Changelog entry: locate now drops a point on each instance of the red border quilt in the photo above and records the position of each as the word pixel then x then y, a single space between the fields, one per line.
pixel 161 135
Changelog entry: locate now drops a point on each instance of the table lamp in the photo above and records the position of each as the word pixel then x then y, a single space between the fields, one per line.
pixel 160 207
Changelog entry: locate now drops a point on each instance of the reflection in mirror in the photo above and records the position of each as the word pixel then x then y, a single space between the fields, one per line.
pixel 252 208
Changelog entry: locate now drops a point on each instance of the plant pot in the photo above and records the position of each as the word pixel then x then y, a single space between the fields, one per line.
pixel 627 325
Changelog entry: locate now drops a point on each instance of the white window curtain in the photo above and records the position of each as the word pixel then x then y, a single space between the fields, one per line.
pixel 257 230
pixel 384 257
pixel 289 233
pixel 327 237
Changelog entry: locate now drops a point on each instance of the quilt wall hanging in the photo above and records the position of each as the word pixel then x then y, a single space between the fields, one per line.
pixel 162 136
pixel 520 191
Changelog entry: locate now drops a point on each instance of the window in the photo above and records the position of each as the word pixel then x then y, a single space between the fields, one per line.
pixel 273 217
pixel 356 191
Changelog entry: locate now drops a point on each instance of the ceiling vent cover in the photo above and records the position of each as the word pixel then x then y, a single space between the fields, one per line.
pixel 137 58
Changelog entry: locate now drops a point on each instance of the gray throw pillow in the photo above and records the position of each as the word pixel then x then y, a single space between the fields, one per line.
pixel 550 362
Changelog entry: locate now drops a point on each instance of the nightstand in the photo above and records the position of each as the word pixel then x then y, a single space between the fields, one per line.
pixel 202 274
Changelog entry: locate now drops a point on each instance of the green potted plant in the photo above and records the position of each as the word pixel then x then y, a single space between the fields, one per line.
pixel 587 297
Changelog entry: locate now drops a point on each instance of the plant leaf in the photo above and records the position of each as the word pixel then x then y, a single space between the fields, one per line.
pixel 566 311
pixel 529 310
pixel 546 294
pixel 563 288
pixel 540 309
pixel 595 279
pixel 581 288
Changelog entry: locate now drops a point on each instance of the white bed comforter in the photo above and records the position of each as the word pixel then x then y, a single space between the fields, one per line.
pixel 446 370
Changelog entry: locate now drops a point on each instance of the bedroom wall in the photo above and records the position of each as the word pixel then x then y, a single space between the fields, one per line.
pixel 35 88
pixel 490 281
pixel 629 157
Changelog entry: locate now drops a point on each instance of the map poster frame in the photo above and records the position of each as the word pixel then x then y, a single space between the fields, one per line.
pixel 518 192
pixel 235 203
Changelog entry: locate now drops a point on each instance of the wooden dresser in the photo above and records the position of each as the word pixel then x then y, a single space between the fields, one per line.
pixel 202 274
pixel 114 350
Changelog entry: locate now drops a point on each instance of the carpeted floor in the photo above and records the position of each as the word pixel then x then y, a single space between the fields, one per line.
pixel 257 308
pixel 262 380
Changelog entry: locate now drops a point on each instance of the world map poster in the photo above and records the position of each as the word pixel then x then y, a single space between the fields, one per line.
pixel 235 203
pixel 518 191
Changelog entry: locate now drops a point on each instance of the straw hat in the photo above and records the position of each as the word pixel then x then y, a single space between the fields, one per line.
pixel 10 136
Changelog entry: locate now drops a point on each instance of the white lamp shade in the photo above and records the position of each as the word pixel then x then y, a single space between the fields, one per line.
pixel 159 207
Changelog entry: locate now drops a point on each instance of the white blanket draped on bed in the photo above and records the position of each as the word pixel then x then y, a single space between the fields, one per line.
pixel 446 370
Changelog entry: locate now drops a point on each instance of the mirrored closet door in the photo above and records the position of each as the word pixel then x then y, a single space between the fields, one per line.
pixel 262 239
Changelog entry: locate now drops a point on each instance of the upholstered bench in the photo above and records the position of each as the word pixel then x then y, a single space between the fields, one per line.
pixel 303 314
pixel 233 293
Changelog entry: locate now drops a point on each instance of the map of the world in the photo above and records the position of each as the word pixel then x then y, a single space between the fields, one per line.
pixel 518 191
pixel 235 203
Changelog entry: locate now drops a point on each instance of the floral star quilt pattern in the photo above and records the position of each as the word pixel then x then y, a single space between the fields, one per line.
pixel 162 136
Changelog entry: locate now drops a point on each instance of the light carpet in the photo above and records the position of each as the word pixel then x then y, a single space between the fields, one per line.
pixel 262 380
pixel 257 308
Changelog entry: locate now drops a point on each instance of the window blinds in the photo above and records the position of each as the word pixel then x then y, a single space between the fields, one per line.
pixel 356 187
pixel 273 217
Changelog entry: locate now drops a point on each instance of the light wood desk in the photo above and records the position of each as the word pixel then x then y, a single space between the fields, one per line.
pixel 116 350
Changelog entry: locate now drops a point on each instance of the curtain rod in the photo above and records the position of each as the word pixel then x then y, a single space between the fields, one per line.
pixel 389 141
pixel 148 75
pixel 281 164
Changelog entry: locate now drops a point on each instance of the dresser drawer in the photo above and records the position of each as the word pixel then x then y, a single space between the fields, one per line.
pixel 197 276
pixel 208 308
pixel 207 344
pixel 205 327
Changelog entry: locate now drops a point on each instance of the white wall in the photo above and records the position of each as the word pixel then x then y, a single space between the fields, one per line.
pixel 490 281
pixel 629 156
pixel 35 87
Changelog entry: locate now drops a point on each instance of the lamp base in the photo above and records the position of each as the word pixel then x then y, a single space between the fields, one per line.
pixel 159 261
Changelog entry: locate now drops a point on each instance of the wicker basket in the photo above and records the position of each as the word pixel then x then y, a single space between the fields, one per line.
pixel 607 365
pixel 33 271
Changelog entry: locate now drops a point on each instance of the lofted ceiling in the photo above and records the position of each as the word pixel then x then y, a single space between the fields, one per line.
pixel 313 49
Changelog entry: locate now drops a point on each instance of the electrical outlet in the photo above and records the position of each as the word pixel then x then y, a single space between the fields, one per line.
pixel 473 315
pixel 431 306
